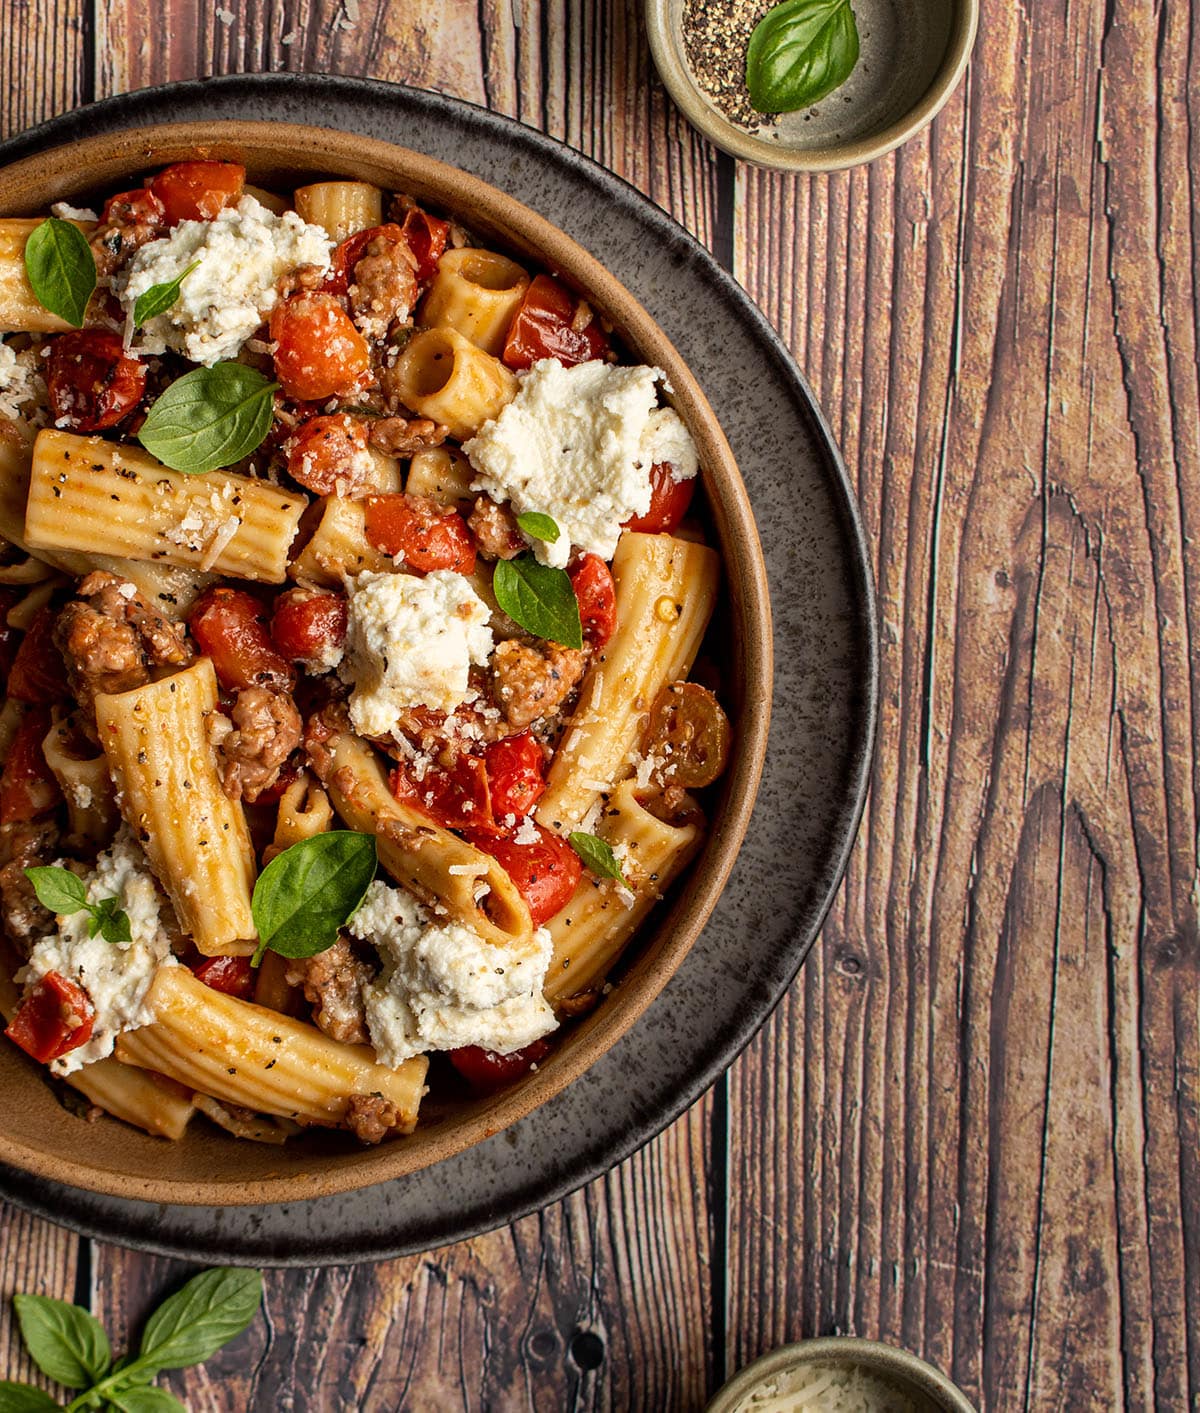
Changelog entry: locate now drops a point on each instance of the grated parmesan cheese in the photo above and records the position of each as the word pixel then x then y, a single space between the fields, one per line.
pixel 830 1388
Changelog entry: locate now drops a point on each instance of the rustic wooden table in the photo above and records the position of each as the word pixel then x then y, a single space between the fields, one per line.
pixel 972 1127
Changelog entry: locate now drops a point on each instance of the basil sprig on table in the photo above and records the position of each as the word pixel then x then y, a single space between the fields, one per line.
pixel 159 298
pixel 597 854
pixel 539 527
pixel 63 892
pixel 800 51
pixel 61 269
pixel 307 894
pixel 539 598
pixel 209 418
pixel 70 1345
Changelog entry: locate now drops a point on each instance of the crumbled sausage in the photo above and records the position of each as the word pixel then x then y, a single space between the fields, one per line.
pixel 265 730
pixel 494 527
pixel 303 277
pixel 529 683
pixel 25 845
pixel 371 1117
pixel 401 436
pixel 333 982
pixel 383 288
pixel 115 241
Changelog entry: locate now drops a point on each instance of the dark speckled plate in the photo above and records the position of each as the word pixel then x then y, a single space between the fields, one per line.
pixel 821 732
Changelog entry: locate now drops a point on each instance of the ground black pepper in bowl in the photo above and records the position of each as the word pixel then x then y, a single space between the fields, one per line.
pixel 716 35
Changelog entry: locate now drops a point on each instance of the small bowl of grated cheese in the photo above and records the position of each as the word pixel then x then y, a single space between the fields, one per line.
pixel 839 1375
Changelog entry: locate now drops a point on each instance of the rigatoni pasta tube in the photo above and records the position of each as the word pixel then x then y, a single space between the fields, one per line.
pixel 444 376
pixel 338 546
pixel 21 312
pixel 85 782
pixel 94 496
pixel 666 589
pixel 443 474
pixel 157 744
pixel 245 1054
pixel 477 293
pixel 341 208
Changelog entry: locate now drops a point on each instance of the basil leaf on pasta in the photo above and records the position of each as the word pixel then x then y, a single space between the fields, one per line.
pixel 159 298
pixel 539 527
pixel 209 418
pixel 305 895
pixel 58 889
pixel 539 598
pixel 61 269
pixel 597 854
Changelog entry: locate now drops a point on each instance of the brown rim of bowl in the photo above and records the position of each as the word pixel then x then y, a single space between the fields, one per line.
pixel 738 142
pixel 62 173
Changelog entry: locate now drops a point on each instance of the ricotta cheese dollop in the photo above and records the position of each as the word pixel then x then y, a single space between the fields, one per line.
pixel 242 252
pixel 116 975
pixel 411 641
pixel 577 444
pixel 443 986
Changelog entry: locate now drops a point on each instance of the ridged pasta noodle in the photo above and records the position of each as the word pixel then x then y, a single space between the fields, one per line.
pixel 341 208
pixel 443 474
pixel 444 376
pixel 20 310
pixel 338 546
pixel 477 293
pixel 85 782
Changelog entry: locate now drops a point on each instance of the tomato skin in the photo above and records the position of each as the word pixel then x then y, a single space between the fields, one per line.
pixel 688 734
pixel 319 353
pixel 457 798
pixel 38 672
pixel 597 594
pixel 324 451
pixel 669 502
pixel 516 769
pixel 308 623
pixel 139 207
pixel 486 1071
pixel 543 328
pixel 231 628
pixel 28 788
pixel 197 191
pixel 426 236
pixel 55 1018
pixel 545 873
pixel 347 254
pixel 232 976
pixel 91 382
pixel 427 536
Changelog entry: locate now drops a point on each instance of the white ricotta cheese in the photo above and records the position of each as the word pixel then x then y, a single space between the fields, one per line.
pixel 577 444
pixel 443 986
pixel 411 642
pixel 116 975
pixel 242 253
pixel 22 387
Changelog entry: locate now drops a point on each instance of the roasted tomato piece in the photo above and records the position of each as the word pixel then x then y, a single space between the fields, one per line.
pixel 669 502
pixel 545 872
pixel 486 1071
pixel 197 191
pixel 551 324
pixel 139 207
pixel 328 453
pixel 347 254
pixel 28 788
pixel 597 595
pixel 319 353
pixel 91 382
pixel 457 797
pixel 309 626
pixel 426 236
pixel 427 536
pixel 687 736
pixel 516 769
pixel 231 627
pixel 38 672
pixel 56 1017
pixel 234 976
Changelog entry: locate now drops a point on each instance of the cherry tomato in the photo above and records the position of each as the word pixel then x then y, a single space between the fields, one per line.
pixel 669 502
pixel 231 628
pixel 139 207
pixel 309 625
pixel 426 535
pixel 516 769
pixel 233 976
pixel 597 595
pixel 91 382
pixel 426 236
pixel 457 798
pixel 544 327
pixel 10 638
pixel 687 736
pixel 55 1018
pixel 28 789
pixel 319 353
pixel 545 873
pixel 324 452
pixel 197 191
pixel 486 1071
pixel 38 673
pixel 349 252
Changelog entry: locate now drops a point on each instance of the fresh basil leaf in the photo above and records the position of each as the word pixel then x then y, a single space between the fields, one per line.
pixel 110 921
pixel 25 1398
pixel 58 889
pixel 597 854
pixel 539 527
pixel 145 1400
pixel 305 895
pixel 196 1321
pixel 211 417
pixel 539 598
pixel 800 51
pixel 159 298
pixel 65 1341
pixel 61 269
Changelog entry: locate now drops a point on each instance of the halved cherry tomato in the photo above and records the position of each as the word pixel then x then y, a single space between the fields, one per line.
pixel 319 353
pixel 669 502
pixel 426 535
pixel 486 1071
pixel 544 327
pixel 139 207
pixel 457 797
pixel 28 789
pixel 309 625
pixel 55 1018
pixel 687 736
pixel 347 254
pixel 197 191
pixel 233 976
pixel 91 382
pixel 38 673
pixel 325 451
pixel 516 771
pixel 597 595
pixel 426 237
pixel 231 627
pixel 545 873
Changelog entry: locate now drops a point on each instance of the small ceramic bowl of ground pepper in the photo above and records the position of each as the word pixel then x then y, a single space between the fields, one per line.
pixel 811 85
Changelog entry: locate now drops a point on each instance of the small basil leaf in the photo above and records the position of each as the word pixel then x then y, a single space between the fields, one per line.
pixel 65 1341
pixel 196 1321
pixel 305 895
pixel 58 889
pixel 159 298
pixel 110 921
pixel 61 269
pixel 539 527
pixel 597 854
pixel 209 418
pixel 539 598
pixel 24 1398
pixel 800 51
pixel 145 1400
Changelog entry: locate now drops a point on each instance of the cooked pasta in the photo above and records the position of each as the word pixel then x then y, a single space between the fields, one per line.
pixel 477 293
pixel 444 376
pixel 20 311
pixel 341 208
